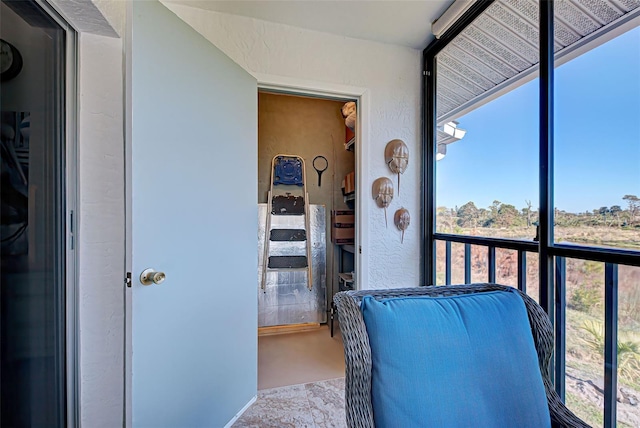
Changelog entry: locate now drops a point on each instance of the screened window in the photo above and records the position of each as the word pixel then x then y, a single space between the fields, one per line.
pixel 532 179
pixel 597 143
pixel 487 126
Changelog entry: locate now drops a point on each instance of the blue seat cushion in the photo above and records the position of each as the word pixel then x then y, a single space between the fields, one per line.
pixel 460 361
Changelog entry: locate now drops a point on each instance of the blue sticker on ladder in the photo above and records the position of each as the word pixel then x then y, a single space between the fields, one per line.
pixel 288 171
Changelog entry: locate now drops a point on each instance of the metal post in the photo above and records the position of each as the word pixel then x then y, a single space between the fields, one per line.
pixel 491 261
pixel 610 343
pixel 560 326
pixel 447 274
pixel 522 271
pixel 467 263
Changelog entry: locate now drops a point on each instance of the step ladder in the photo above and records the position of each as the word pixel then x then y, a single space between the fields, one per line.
pixel 287 196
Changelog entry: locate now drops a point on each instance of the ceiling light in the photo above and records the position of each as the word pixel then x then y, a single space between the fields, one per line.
pixel 450 16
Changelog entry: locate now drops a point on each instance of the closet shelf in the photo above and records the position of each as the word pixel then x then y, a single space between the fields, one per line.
pixel 350 145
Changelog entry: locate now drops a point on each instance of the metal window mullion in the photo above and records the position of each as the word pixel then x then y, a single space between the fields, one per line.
pixel 67 235
pixel 447 274
pixel 610 344
pixel 429 170
pixel 522 271
pixel 491 261
pixel 73 316
pixel 546 155
pixel 560 325
pixel 467 263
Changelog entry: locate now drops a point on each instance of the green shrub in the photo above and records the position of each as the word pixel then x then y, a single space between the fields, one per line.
pixel 630 303
pixel 584 299
pixel 590 267
pixel 628 351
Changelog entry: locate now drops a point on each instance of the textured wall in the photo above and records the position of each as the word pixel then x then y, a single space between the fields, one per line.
pixel 89 16
pixel 101 215
pixel 392 76
pixel 101 230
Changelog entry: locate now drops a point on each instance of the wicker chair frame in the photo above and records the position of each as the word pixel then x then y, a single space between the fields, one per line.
pixel 357 351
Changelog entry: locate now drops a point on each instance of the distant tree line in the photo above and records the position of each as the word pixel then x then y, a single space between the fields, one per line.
pixel 501 215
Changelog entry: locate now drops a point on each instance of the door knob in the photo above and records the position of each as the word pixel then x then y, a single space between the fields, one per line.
pixel 150 276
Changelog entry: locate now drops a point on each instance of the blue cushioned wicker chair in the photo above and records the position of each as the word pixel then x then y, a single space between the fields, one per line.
pixel 448 356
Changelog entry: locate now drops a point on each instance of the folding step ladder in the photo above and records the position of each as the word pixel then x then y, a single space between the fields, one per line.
pixel 288 180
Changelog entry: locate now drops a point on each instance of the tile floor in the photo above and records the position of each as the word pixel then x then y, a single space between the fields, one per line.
pixel 310 405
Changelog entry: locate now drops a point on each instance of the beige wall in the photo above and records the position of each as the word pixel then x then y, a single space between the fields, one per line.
pixel 306 127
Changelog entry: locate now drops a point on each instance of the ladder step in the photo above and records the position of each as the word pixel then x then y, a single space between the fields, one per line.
pixel 287 205
pixel 287 262
pixel 288 235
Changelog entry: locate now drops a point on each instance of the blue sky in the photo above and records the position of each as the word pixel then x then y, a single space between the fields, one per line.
pixel 597 137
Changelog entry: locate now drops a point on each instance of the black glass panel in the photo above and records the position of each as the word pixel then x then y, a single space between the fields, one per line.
pixel 32 221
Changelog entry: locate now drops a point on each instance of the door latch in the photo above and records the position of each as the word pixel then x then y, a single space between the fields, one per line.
pixel 127 280
pixel 150 276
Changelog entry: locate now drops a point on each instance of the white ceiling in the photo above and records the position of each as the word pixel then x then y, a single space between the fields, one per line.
pixel 405 23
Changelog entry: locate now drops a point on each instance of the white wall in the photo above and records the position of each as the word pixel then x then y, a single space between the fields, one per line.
pixel 392 76
pixel 101 220
pixel 101 230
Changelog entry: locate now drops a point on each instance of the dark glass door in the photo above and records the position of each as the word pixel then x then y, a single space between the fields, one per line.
pixel 32 229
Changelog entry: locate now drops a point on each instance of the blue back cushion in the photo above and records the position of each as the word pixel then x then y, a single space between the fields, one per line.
pixel 463 361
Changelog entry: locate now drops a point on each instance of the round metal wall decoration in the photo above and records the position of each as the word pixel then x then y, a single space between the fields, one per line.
pixel 396 155
pixel 382 192
pixel 402 220
pixel 10 61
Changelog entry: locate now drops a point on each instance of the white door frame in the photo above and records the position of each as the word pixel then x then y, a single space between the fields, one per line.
pixel 346 92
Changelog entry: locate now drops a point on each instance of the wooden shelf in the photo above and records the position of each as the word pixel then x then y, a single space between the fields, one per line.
pixel 350 145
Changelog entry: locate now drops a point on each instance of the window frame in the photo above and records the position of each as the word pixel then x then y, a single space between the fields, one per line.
pixel 551 255
pixel 69 186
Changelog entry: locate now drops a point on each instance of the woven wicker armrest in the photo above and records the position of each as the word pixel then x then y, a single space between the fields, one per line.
pixel 357 351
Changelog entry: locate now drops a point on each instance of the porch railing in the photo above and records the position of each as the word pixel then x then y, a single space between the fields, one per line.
pixel 559 318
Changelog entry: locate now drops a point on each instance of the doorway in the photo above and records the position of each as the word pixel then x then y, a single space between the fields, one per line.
pixel 313 128
pixel 36 245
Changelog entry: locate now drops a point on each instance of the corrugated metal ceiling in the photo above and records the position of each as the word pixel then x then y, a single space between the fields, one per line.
pixel 500 48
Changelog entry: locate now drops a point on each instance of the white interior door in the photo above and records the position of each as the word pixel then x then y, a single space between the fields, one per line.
pixel 194 216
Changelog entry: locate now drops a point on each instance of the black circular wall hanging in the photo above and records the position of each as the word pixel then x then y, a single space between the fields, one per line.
pixel 10 61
